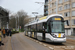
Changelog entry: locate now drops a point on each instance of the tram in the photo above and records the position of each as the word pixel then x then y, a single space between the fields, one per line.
pixel 49 28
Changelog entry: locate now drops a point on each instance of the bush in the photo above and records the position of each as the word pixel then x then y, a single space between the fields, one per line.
pixel 13 32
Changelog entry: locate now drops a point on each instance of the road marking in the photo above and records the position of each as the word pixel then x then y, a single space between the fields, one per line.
pixel 36 41
pixel 51 48
pixel 44 45
pixel 40 43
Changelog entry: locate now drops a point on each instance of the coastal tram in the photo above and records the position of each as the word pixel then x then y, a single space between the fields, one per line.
pixel 49 28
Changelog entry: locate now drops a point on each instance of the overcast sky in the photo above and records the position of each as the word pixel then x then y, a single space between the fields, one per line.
pixel 28 6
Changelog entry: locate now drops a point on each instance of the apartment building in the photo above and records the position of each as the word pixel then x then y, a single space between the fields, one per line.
pixel 46 8
pixel 67 9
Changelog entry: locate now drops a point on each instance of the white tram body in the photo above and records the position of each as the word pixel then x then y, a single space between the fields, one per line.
pixel 49 28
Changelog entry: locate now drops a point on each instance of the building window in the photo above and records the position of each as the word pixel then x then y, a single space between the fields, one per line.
pixel 60 13
pixel 46 12
pixel 60 8
pixel 67 22
pixel 50 0
pixel 73 22
pixel 73 4
pixel 50 5
pixel 66 14
pixel 55 10
pixel 55 3
pixel 73 13
pixel 60 1
pixel 50 11
pixel 46 7
pixel 66 0
pixel 67 6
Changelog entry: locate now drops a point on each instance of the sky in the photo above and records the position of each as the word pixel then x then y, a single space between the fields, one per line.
pixel 28 6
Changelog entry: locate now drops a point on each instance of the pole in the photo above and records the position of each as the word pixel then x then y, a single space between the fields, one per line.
pixel 7 25
pixel 71 17
pixel 18 23
pixel 56 6
pixel 36 24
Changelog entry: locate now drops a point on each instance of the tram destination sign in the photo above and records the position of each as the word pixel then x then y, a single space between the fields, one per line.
pixel 57 19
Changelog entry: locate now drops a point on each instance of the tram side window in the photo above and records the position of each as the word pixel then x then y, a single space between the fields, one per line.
pixel 39 27
pixel 48 27
pixel 34 27
pixel 31 27
pixel 27 28
pixel 45 26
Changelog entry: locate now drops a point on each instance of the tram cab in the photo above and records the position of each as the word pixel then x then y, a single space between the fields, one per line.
pixel 55 26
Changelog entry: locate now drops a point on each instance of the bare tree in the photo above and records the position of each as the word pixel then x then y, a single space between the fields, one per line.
pixel 12 21
pixel 22 19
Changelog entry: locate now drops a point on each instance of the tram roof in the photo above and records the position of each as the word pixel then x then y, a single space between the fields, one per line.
pixel 43 19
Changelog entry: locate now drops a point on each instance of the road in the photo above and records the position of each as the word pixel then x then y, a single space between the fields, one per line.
pixel 20 42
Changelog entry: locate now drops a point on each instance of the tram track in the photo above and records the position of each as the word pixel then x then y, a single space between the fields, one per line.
pixel 68 45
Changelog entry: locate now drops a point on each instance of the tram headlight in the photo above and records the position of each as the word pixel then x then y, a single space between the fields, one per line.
pixel 64 35
pixel 55 35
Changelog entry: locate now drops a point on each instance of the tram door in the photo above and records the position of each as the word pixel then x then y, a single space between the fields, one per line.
pixel 44 28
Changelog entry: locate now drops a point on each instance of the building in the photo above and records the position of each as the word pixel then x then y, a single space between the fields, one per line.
pixel 46 8
pixel 4 18
pixel 67 9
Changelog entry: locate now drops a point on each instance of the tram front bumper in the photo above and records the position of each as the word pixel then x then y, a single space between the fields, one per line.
pixel 59 39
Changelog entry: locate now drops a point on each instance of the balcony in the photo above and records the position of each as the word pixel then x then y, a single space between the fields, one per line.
pixel 46 8
pixel 45 13
pixel 46 4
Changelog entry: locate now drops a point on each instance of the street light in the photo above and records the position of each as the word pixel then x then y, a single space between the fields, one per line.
pixel 34 14
pixel 71 17
pixel 16 22
pixel 40 3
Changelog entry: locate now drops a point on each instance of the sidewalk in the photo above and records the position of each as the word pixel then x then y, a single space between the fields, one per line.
pixel 7 44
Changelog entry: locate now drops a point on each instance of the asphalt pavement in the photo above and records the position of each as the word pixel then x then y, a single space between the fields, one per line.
pixel 20 42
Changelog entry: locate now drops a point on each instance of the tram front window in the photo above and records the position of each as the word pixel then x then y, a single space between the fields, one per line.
pixel 57 27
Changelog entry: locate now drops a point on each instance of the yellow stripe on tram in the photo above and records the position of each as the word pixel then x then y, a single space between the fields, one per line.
pixel 32 34
pixel 0 36
pixel 59 35
pixel 26 33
